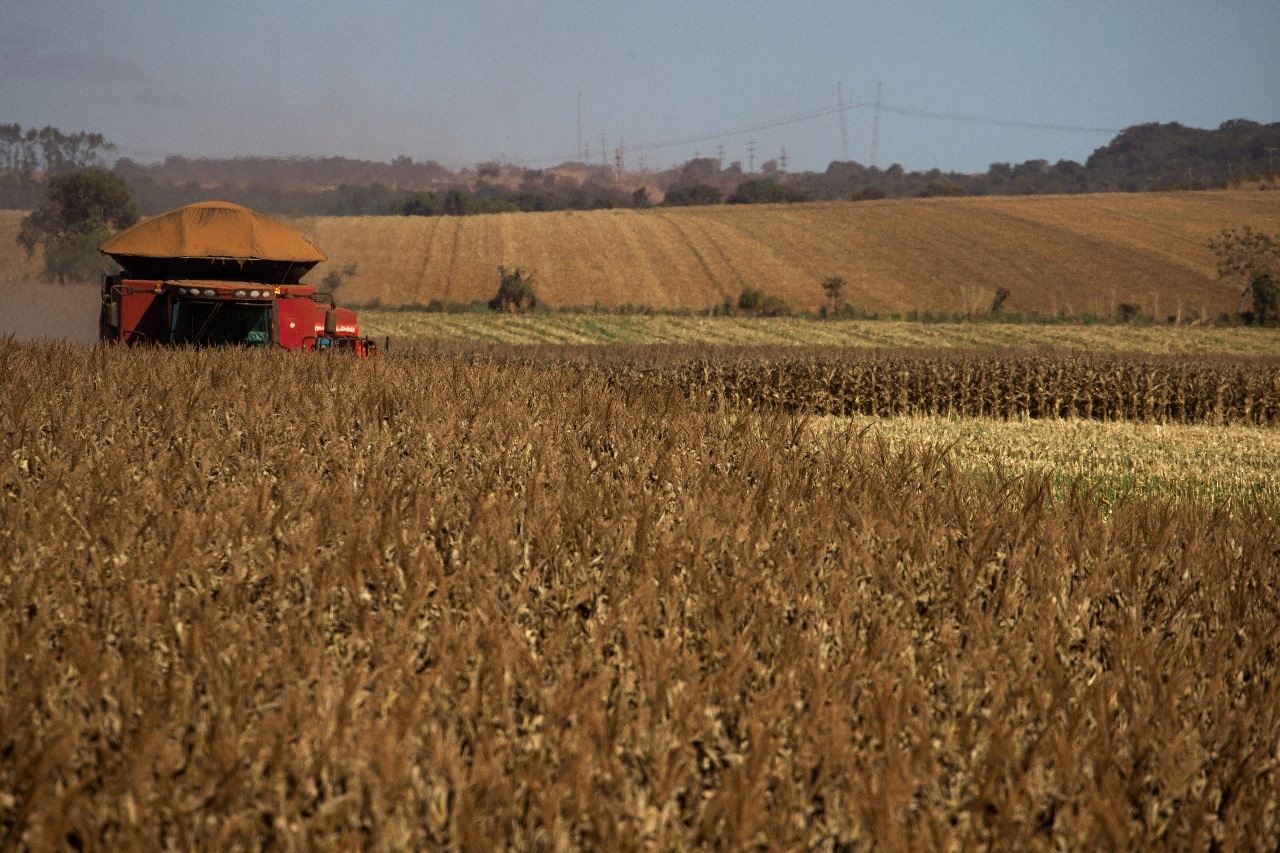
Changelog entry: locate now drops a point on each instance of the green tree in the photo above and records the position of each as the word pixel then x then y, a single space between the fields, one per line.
pixel 834 289
pixel 79 211
pixel 419 204
pixel 750 300
pixel 515 292
pixel 692 195
pixel 765 191
pixel 942 188
pixel 459 202
pixel 761 304
pixel 1250 260
pixel 997 301
pixel 1266 298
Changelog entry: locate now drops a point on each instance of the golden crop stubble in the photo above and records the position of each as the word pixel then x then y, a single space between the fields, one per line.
pixel 502 598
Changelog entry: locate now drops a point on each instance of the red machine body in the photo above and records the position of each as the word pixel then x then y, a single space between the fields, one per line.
pixel 227 313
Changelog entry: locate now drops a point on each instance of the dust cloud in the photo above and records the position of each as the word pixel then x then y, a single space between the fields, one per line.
pixel 33 311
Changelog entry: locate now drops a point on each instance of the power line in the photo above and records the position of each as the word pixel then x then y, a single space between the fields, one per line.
pixel 825 112
pixel 992 122
pixel 875 124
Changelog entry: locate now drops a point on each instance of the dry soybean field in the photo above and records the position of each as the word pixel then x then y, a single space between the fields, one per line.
pixel 550 599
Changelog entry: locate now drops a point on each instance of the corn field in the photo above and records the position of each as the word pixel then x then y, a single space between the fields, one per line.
pixel 474 601
pixel 994 384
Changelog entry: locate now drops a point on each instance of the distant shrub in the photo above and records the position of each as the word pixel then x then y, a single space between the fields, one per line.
pixel 515 292
pixel 760 304
pixel 1127 312
pixel 693 194
pixel 766 191
pixel 942 188
pixel 335 277
pixel 997 301
pixel 833 289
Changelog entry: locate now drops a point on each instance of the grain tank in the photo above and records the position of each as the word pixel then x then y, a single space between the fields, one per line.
pixel 218 274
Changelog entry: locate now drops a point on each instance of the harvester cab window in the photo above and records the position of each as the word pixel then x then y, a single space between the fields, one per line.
pixel 221 323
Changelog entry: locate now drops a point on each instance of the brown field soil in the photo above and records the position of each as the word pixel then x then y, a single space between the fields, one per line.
pixel 468 600
pixel 406 326
pixel 1073 254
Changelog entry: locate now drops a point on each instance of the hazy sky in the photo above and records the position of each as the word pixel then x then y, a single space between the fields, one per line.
pixel 466 82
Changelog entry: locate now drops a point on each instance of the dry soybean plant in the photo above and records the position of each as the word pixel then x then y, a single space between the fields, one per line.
pixel 258 600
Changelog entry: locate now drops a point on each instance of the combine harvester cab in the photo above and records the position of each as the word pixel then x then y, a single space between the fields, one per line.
pixel 218 274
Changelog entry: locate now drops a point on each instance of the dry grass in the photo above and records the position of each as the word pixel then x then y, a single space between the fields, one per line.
pixel 1114 458
pixel 255 600
pixel 418 326
pixel 1073 254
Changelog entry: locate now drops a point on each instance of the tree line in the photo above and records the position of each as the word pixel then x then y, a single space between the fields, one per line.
pixel 1141 158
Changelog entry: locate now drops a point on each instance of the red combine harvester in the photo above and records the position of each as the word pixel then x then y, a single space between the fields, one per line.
pixel 218 274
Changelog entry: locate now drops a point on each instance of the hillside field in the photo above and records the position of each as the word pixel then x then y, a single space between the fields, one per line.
pixel 1072 254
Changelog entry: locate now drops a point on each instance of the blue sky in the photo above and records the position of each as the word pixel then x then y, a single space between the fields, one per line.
pixel 467 82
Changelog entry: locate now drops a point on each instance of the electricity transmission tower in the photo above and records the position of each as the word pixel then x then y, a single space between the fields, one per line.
pixel 875 125
pixel 582 151
pixel 844 124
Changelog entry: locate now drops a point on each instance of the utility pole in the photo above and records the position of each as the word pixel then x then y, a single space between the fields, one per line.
pixel 782 161
pixel 844 125
pixel 751 156
pixel 1271 160
pixel 720 156
pixel 617 162
pixel 604 150
pixel 875 125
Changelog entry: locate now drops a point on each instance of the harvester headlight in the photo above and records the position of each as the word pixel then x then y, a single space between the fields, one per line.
pixel 241 294
pixel 255 294
pixel 210 292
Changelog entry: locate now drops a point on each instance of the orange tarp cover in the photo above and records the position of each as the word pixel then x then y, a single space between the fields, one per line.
pixel 214 229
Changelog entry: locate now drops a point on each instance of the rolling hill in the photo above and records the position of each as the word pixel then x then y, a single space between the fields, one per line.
pixel 1052 253
pixel 1074 254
